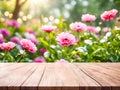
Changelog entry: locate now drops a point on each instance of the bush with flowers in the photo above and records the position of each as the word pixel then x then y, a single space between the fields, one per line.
pixel 62 42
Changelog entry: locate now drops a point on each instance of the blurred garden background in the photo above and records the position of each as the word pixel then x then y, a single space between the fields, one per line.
pixel 55 31
pixel 68 9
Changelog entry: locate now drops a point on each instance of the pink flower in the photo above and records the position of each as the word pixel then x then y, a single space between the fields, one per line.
pixel 92 29
pixel 42 50
pixel 106 29
pixel 39 60
pixel 13 23
pixel 109 15
pixel 34 40
pixel 78 26
pixel 62 61
pixel 66 39
pixel 4 32
pixel 15 40
pixel 88 18
pixel 28 45
pixel 48 29
pixel 7 46
pixel 31 31
pixel 77 41
pixel 1 38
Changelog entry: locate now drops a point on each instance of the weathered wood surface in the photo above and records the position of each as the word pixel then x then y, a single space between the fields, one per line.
pixel 60 76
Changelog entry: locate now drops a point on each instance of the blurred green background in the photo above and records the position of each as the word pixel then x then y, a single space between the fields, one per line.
pixel 70 9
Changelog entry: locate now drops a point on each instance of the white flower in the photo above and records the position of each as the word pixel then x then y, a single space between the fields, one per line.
pixel 98 29
pixel 103 40
pixel 19 47
pixel 82 49
pixel 28 36
pixel 22 51
pixel 46 54
pixel 88 42
pixel 53 46
pixel 119 37
pixel 108 34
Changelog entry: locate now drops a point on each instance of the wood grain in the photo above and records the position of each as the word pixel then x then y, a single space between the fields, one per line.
pixel 59 76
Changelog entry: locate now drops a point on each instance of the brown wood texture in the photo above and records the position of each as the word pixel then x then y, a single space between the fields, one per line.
pixel 59 76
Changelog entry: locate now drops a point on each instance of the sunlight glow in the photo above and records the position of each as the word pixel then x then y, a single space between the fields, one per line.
pixel 37 5
pixel 38 2
pixel 45 19
pixel 6 13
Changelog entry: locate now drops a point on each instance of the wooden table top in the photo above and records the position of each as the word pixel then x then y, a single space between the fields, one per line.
pixel 59 76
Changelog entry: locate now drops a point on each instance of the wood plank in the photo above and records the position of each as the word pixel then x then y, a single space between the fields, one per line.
pixel 29 88
pixel 115 88
pixel 49 77
pixel 83 78
pixel 10 68
pixel 60 76
pixel 112 75
pixel 13 88
pixel 91 88
pixel 36 77
pixel 105 88
pixel 70 88
pixel 57 75
pixel 3 88
pixel 50 88
pixel 49 80
pixel 95 73
pixel 16 78
pixel 112 66
pixel 105 70
pixel 66 75
pixel 2 65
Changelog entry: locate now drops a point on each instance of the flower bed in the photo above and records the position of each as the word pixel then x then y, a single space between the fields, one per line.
pixel 62 41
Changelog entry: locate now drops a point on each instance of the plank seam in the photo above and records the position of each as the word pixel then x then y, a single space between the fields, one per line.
pixel 42 76
pixel 90 76
pixel 30 74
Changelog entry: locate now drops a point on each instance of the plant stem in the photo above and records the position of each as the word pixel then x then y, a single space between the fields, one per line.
pixel 4 58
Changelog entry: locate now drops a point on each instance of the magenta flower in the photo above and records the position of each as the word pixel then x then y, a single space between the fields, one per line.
pixel 31 37
pixel 42 50
pixel 28 45
pixel 4 32
pixel 92 29
pixel 88 18
pixel 7 46
pixel 39 60
pixel 34 40
pixel 13 23
pixel 66 39
pixel 109 15
pixel 62 61
pixel 48 29
pixel 1 38
pixel 78 26
pixel 15 40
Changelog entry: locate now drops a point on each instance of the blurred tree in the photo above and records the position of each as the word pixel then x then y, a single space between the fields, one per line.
pixel 17 8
